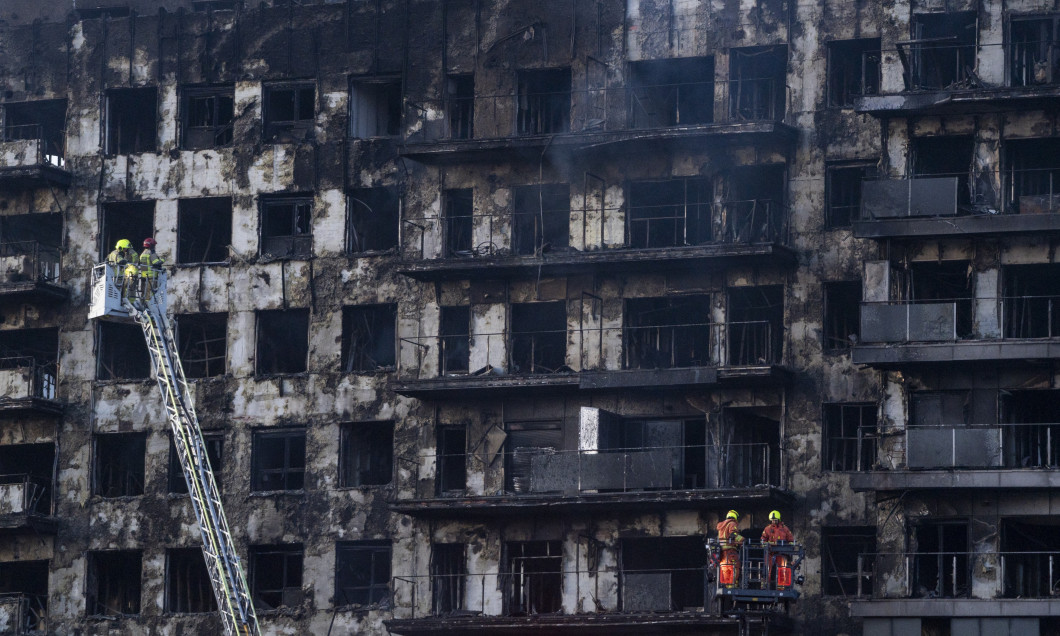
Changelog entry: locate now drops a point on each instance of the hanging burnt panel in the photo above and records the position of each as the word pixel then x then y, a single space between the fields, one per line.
pixel 525 441
pixel 538 337
pixel 43 120
pixel 454 335
pixel 542 218
pixel 132 220
pixel 282 341
pixel 289 113
pixel 188 588
pixel 375 107
pixel 671 92
pixel 941 565
pixel 28 579
pixel 1032 176
pixel 757 83
pixel 113 583
pixel 452 460
pixel 122 353
pixel 847 560
pixel 1034 50
pixel 32 464
pixel 534 573
pixel 756 325
pixel 204 230
pixel 287 226
pixel 374 216
pixel 753 204
pixel 460 106
pixel 119 464
pixel 853 70
pixel 448 577
pixel 669 213
pixel 203 343
pixel 1032 434
pixel 667 333
pixel 662 574
pixel 208 115
pixel 942 51
pixel 459 223
pixel 132 116
pixel 544 102
pixel 369 336
pixel 750 450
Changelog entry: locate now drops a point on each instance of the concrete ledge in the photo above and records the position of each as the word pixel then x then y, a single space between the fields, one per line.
pixel 894 354
pixel 958 226
pixel 966 607
pixel 958 478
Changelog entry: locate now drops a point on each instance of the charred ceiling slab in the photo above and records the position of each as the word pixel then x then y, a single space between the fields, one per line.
pixel 976 225
pixel 988 478
pixel 968 101
pixel 987 352
pixel 671 623
pixel 965 607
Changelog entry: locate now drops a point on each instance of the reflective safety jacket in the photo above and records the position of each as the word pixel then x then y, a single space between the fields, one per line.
pixel 150 264
pixel 777 532
pixel 728 534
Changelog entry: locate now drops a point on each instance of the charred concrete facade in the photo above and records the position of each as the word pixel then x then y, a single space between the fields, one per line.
pixel 496 308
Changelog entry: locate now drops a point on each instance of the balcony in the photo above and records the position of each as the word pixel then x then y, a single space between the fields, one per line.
pixel 30 272
pixel 665 356
pixel 24 614
pixel 25 504
pixel 30 158
pixel 28 386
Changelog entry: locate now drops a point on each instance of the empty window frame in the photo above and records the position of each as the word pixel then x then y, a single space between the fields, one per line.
pixel 132 220
pixel 662 574
pixel 945 281
pixel 941 567
pixel 1033 53
pixel 524 441
pixel 375 215
pixel 36 353
pixel 204 230
pixel 362 572
pixel 1032 176
pixel 756 325
pixel 542 218
pixel 535 577
pixel 1031 301
pixel 31 464
pixel 671 92
pixel 282 341
pixel 366 454
pixel 942 52
pixel 850 437
pixel 538 337
pixel 544 101
pixel 683 440
pixel 369 334
pixel 209 113
pixel 375 107
pixel 132 120
pixel 35 239
pixel 460 106
pixel 276 576
pixel 669 213
pixel 43 120
pixel 853 70
pixel 214 453
pixel 118 470
pixel 188 588
pixel 848 560
pixel 1029 545
pixel 946 156
pixel 278 460
pixel 113 583
pixel 843 184
pixel 757 83
pixel 28 579
pixel 452 460
pixel 287 226
pixel 448 577
pixel 1032 439
pixel 289 112
pixel 454 336
pixel 667 333
pixel 459 222
pixel 122 353
pixel 751 444
pixel 842 314
pixel 203 343
pixel 753 204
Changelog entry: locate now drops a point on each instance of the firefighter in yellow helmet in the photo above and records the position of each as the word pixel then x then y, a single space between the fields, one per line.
pixel 150 267
pixel 121 254
pixel 773 534
pixel 730 539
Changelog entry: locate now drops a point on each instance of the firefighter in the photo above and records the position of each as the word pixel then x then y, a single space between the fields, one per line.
pixel 150 266
pixel 123 253
pixel 730 539
pixel 773 534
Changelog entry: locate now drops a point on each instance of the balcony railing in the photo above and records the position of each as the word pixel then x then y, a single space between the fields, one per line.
pixel 23 494
pixel 950 320
pixel 24 377
pixel 32 146
pixel 1024 191
pixel 24 614
pixel 29 261
pixel 1009 446
pixel 945 575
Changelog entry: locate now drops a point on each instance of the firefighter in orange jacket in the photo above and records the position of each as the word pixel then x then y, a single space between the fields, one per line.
pixel 774 533
pixel 730 539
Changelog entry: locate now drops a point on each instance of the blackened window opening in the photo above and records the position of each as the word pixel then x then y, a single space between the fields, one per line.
pixel 287 226
pixel 1032 176
pixel 362 572
pixel 289 112
pixel 31 465
pixel 844 194
pixel 374 217
pixel 204 230
pixel 535 577
pixel 459 223
pixel 753 204
pixel 941 565
pixel 36 353
pixel 942 53
pixel 37 238
pixel 278 461
pixel 1031 301
pixel 448 577
pixel 208 117
pixel 681 442
pixel 455 339
pixel 757 83
pixel 452 460
pixel 853 70
pixel 122 353
pixel 119 464
pixel 670 213
pixel 848 560
pixel 1034 51
pixel 369 335
pixel 756 325
pixel 114 583
pixel 667 333
pixel 276 576
pixel 752 450
pixel 460 106
pixel 203 343
pixel 214 453
pixel 948 282
pixel 544 101
pixel 30 580
pixel 850 437
pixel 538 337
pixel 375 107
pixel 282 341
pixel 951 157
pixel 43 120
pixel 526 440
pixel 132 115
pixel 132 220
pixel 542 218
pixel 667 93
pixel 1032 432
pixel 366 457
pixel 188 588
pixel 1031 549
pixel 842 314
pixel 663 574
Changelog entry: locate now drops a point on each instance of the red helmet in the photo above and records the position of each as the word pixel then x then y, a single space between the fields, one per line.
pixel 150 243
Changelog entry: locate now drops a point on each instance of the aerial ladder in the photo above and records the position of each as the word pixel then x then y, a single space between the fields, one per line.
pixel 126 296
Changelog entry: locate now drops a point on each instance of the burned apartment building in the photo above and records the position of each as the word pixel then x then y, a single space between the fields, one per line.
pixel 494 308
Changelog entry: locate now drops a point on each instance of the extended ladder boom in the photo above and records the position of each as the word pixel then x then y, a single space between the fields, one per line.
pixel 226 574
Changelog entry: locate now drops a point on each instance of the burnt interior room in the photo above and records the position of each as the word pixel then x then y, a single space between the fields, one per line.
pixel 35 463
pixel 214 443
pixel 941 282
pixel 20 347
pixel 534 577
pixel 681 442
pixel 122 352
pixel 375 215
pixel 460 106
pixel 362 572
pixel 282 341
pixel 755 325
pixel 286 226
pixel 28 578
pixel 1031 428
pixel 366 455
pixel 43 119
pixel 842 314
pixel 662 574
pixel 541 220
pixel 751 440
pixel 375 107
pixel 754 203
pixel 45 229
pixel 119 464
pixel 208 117
pixel 942 51
pixel 459 223
pixel 538 337
pixel 452 460
pixel 853 70
pixel 289 113
pixel 953 407
pixel 188 588
pixel 941 565
pixel 524 441
pixel 1033 56
pixel 132 120
pixel 204 230
pixel 678 92
pixel 202 340
pixel 843 189
pixel 756 83
pixel 1032 176
pixel 1031 546
pixel 670 213
pixel 448 574
pixel 454 335
pixel 276 576
pixel 847 560
pixel 668 333
pixel 131 220
pixel 948 156
pixel 1031 301
pixel 544 101
pixel 850 436
pixel 369 338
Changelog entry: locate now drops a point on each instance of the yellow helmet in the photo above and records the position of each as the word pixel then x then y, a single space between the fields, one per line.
pixel 732 515
pixel 123 244
pixel 774 516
